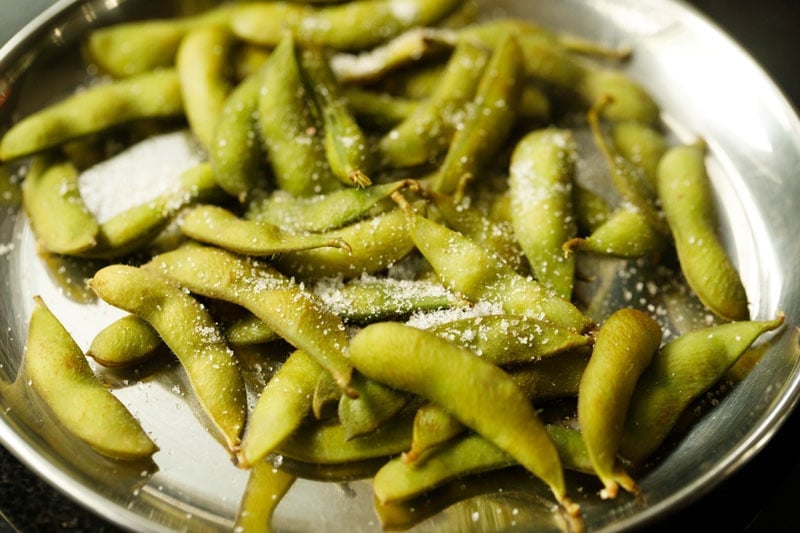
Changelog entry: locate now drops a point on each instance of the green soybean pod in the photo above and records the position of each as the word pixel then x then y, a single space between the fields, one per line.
pixel 591 209
pixel 356 25
pixel 289 309
pixel 687 199
pixel 188 330
pixel 324 212
pixel 624 347
pixel 489 119
pixel 475 391
pixel 378 110
pixel 51 199
pixel 96 109
pixel 641 144
pixel 266 487
pixel 289 129
pixel 428 131
pixel 61 376
pixel 203 64
pixel 680 372
pixel 469 269
pixel 495 235
pixel 626 233
pixel 212 224
pixel 236 152
pixel 138 226
pixel 346 146
pixel 282 406
pixel 326 442
pixel 540 185
pixel 131 48
pixel 376 403
pixel 127 341
pixel 398 480
pixel 376 243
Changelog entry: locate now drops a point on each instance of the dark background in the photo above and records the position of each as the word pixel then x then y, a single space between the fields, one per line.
pixel 761 497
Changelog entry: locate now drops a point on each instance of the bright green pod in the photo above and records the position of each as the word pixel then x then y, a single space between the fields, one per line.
pixel 378 110
pixel 266 487
pixel 236 153
pixel 323 212
pixel 218 226
pixel 497 236
pixel 289 128
pixel 346 146
pixel 326 443
pixel 59 218
pixel 192 335
pixel 131 48
pixel 154 94
pixel 203 67
pixel 507 340
pixel 629 100
pixel 687 199
pixel 478 393
pixel 641 144
pixel 60 374
pixel 127 341
pixel 591 210
pixel 375 404
pixel 542 213
pixel 137 227
pixel 467 268
pixel 376 243
pixel 489 118
pixel 289 309
pixel 546 379
pixel 428 131
pixel 624 347
pixel 282 406
pixel 678 374
pixel 626 233
pixel 399 480
pixel 356 25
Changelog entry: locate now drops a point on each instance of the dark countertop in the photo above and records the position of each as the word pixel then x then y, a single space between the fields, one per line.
pixel 757 498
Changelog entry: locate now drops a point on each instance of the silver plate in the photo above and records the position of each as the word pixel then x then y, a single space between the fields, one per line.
pixel 754 136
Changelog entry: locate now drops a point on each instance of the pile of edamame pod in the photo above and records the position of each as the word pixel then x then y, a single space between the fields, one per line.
pixel 389 206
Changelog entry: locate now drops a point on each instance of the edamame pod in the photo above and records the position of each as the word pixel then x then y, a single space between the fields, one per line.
pixel 682 370
pixel 326 443
pixel 292 311
pixel 266 487
pixel 323 212
pixel 398 480
pixel 489 117
pixel 289 128
pixel 346 147
pixel 355 25
pixel 376 243
pixel 59 218
pixel 626 233
pixel 540 185
pixel 154 94
pixel 428 131
pixel 641 144
pixel 281 408
pixel 624 347
pixel 127 341
pixel 202 64
pixel 58 371
pixel 687 199
pixel 130 48
pixel 216 225
pixel 137 227
pixel 188 330
pixel 471 270
pixel 237 153
pixel 376 403
pixel 478 393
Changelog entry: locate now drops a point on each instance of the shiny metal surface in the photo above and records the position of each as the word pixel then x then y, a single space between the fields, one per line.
pixel 754 138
